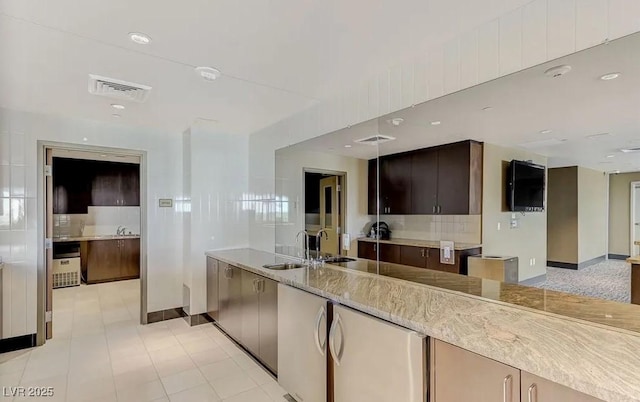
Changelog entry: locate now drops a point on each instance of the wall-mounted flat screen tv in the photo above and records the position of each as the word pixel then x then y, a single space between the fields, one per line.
pixel 525 186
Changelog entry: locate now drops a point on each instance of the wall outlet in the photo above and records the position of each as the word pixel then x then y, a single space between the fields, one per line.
pixel 532 262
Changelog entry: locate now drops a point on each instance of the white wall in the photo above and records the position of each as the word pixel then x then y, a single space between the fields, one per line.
pixel 19 133
pixel 290 165
pixel 215 189
pixel 538 32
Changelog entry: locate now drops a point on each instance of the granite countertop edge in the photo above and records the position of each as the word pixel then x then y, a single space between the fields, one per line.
pixel 527 339
pixel 421 243
pixel 92 238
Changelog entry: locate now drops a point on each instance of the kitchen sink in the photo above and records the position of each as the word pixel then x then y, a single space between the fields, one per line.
pixel 339 259
pixel 284 266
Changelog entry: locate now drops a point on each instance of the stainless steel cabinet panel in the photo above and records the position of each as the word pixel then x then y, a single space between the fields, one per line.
pixel 269 323
pixel 536 389
pixel 212 288
pixel 230 299
pixel 250 333
pixel 462 376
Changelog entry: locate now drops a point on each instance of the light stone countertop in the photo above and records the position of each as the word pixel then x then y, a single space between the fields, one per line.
pixel 634 260
pixel 552 343
pixel 420 243
pixel 91 238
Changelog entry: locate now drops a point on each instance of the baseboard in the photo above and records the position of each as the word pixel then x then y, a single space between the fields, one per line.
pixel 566 265
pixel 197 319
pixel 17 343
pixel 592 261
pixel 536 280
pixel 618 256
pixel 163 315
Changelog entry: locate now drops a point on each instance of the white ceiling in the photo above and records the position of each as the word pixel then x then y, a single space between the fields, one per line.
pixel 277 57
pixel 574 106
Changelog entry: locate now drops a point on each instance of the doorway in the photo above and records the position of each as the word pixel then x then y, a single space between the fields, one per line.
pixel 635 218
pixel 324 209
pixel 93 267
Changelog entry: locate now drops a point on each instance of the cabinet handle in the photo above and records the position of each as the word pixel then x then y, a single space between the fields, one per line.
pixel 332 340
pixel 422 252
pixel 506 388
pixel 533 393
pixel 375 247
pixel 261 285
pixel 255 286
pixel 439 209
pixel 320 346
pixel 228 273
pixel 433 209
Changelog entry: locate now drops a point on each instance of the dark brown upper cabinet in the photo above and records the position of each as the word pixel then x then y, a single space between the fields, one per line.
pixel 115 184
pixel 71 186
pixel 440 180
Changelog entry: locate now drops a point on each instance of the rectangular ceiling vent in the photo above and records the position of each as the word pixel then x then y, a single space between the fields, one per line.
pixel 542 143
pixel 375 139
pixel 628 150
pixel 118 89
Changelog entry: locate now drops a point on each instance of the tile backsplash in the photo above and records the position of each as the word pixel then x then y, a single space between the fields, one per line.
pixel 98 221
pixel 457 228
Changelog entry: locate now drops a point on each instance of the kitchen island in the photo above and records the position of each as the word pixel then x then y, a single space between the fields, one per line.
pixel 585 344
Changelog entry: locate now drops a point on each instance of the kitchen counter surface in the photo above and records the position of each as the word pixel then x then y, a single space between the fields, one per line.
pixel 587 344
pixel 91 238
pixel 634 260
pixel 421 243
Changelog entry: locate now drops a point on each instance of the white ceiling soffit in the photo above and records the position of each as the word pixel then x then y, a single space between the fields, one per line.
pixel 573 119
pixel 277 58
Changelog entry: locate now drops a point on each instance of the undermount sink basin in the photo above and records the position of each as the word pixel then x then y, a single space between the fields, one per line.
pixel 284 266
pixel 339 259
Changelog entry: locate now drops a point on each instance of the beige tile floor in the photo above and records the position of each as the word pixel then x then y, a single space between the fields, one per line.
pixel 99 352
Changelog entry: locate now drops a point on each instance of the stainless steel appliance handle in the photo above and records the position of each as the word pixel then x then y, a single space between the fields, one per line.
pixel 320 346
pixel 332 339
pixel 533 393
pixel 506 388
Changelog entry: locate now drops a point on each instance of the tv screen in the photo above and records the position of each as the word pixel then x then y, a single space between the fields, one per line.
pixel 526 186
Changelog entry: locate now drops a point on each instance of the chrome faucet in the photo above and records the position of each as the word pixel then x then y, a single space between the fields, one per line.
pixel 306 244
pixel 121 230
pixel 318 238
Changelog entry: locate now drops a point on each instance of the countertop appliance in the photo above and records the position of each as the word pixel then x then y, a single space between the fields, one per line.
pixel 378 230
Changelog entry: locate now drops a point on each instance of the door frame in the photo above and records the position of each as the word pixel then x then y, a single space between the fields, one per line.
pixel 42 216
pixel 632 214
pixel 342 182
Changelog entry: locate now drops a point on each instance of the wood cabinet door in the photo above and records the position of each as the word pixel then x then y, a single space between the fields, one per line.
pixel 250 312
pixel 424 182
pixel 462 376
pixel 414 256
pixel 105 187
pixel 395 185
pixel 367 250
pixel 268 323
pixel 130 258
pixel 453 178
pixel 536 389
pixel 372 187
pixel 390 253
pixel 71 186
pixel 103 260
pixel 129 178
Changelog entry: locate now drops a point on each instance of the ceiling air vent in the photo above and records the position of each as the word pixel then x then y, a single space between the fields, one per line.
pixel 375 140
pixel 118 89
pixel 628 150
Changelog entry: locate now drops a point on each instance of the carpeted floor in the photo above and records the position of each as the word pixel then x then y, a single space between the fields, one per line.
pixel 609 280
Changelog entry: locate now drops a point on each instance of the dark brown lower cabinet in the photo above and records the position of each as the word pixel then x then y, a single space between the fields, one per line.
pixel 248 312
pixel 112 260
pixel 368 250
pixel 488 380
pixel 414 256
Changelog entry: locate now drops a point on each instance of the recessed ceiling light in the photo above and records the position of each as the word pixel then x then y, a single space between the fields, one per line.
pixel 85 139
pixel 117 106
pixel 486 109
pixel 611 156
pixel 616 171
pixel 140 38
pixel 436 123
pixel 599 136
pixel 348 146
pixel 103 155
pixel 628 150
pixel 610 76
pixel 116 115
pixel 208 73
pixel 545 131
